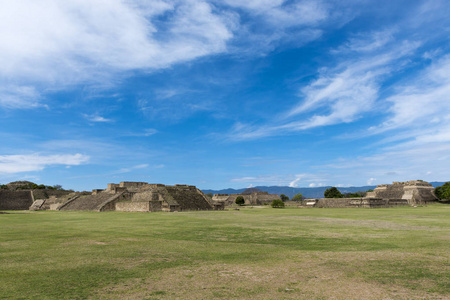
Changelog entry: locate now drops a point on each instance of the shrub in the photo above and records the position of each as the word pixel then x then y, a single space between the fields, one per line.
pixel 277 203
pixel 332 192
pixel 298 197
pixel 284 198
pixel 240 200
pixel 355 195
pixel 443 192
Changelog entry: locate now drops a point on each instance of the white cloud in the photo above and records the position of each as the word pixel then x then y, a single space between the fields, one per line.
pixel 285 179
pixel 263 179
pixel 130 169
pixel 424 102
pixel 96 118
pixel 265 25
pixel 342 94
pixel 36 162
pixel 243 179
pixel 150 131
pixel 281 13
pixel 52 44
pixel 349 90
pixel 368 42
pixel 145 132
pixel 294 183
pixel 371 181
pixel 23 97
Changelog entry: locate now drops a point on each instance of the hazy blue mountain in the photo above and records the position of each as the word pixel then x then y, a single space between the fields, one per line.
pixel 315 192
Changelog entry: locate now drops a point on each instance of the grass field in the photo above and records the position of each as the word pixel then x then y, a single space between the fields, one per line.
pixel 258 253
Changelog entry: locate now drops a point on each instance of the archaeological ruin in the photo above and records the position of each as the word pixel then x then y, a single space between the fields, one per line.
pixel 142 197
pixel 15 200
pixel 251 197
pixel 20 195
pixel 414 192
pixel 145 197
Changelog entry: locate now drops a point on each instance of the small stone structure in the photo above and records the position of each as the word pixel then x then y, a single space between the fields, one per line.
pixel 414 192
pixel 143 197
pixel 251 198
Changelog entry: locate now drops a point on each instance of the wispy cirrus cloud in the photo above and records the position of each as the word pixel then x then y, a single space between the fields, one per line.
pixel 340 94
pixel 130 169
pixel 358 79
pixel 95 118
pixel 144 132
pixel 16 96
pixel 425 97
pixel 265 25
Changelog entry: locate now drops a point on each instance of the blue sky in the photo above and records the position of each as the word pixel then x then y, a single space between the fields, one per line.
pixel 224 93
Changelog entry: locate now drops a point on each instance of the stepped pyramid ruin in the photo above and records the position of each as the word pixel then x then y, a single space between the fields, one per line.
pixel 141 196
pixel 415 192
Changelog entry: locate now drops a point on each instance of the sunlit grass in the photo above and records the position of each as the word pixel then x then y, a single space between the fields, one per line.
pixel 88 254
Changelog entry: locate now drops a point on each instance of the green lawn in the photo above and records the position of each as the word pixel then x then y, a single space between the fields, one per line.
pixel 259 253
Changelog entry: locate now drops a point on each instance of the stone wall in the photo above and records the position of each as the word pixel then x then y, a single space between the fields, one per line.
pixel 142 206
pixel 133 206
pixel 254 198
pixel 45 194
pixel 111 186
pixel 15 200
pixel 394 191
pixel 132 184
pixel 334 202
pixel 260 198
pixel 354 202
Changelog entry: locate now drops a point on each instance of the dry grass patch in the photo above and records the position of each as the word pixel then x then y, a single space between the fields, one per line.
pixel 307 277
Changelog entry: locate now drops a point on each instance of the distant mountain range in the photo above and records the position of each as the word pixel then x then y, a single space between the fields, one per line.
pixel 314 192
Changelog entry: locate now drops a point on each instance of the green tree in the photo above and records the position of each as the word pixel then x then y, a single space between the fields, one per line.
pixel 298 197
pixel 277 203
pixel 284 198
pixel 443 192
pixel 240 200
pixel 210 195
pixel 332 192
pixel 58 187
